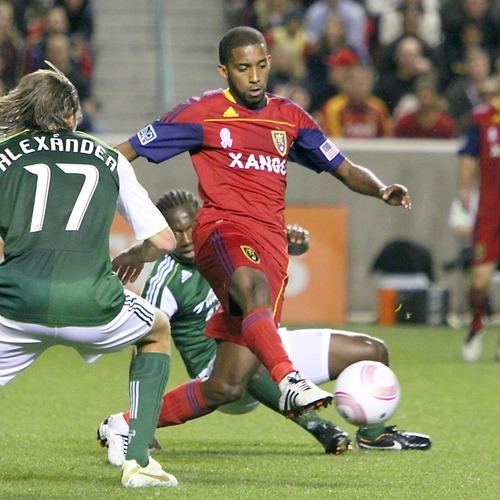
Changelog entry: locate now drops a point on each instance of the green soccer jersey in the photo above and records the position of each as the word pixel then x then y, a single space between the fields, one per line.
pixel 178 289
pixel 58 197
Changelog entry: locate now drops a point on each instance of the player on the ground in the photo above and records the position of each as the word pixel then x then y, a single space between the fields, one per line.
pixel 59 190
pixel 480 158
pixel 177 288
pixel 240 140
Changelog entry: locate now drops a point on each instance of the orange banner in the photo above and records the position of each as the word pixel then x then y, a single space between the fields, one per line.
pixel 316 294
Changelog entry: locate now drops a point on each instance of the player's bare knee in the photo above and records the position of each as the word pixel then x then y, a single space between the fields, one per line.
pixel 158 339
pixel 376 350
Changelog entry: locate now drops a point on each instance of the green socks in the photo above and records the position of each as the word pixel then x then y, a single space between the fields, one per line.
pixel 265 390
pixel 148 377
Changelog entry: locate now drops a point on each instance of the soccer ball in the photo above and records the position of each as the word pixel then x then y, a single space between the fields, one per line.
pixel 367 393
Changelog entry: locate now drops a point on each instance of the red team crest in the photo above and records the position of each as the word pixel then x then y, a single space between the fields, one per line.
pixel 279 139
pixel 250 254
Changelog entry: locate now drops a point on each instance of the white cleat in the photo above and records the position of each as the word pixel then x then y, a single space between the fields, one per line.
pixel 113 435
pixel 472 347
pixel 135 476
pixel 299 394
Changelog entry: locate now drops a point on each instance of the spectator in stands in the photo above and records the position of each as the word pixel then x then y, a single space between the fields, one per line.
pixel 283 70
pixel 429 120
pixel 411 21
pixel 291 38
pixel 58 52
pixel 332 41
pixel 11 43
pixel 29 15
pixel 353 15
pixel 56 21
pixel 356 112
pixel 463 93
pixel 411 64
pixel 241 13
pixel 271 13
pixel 338 66
pixel 427 23
pixel 81 17
pixel 460 18
pixel 454 58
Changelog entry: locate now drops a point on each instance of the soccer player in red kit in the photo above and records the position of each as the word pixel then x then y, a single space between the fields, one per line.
pixel 240 141
pixel 481 151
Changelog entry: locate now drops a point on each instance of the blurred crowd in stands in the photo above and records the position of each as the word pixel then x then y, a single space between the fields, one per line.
pixel 60 31
pixel 380 68
pixel 362 68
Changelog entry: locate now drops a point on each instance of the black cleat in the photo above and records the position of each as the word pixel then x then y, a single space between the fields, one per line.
pixel 334 440
pixel 392 439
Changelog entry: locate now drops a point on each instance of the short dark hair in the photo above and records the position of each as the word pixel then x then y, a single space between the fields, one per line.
pixel 241 36
pixel 177 198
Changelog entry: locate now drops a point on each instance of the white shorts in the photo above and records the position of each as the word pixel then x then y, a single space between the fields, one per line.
pixel 22 343
pixel 309 351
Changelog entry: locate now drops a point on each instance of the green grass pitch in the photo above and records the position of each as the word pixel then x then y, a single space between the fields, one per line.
pixel 49 416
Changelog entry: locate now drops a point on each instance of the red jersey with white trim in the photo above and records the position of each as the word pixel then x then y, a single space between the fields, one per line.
pixel 240 155
pixel 482 141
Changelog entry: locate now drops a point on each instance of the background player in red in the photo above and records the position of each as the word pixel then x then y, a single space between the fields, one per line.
pixel 480 156
pixel 240 140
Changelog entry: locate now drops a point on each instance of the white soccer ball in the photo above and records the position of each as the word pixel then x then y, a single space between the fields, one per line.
pixel 367 393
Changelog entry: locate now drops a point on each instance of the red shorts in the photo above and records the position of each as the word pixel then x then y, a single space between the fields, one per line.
pixel 487 239
pixel 228 247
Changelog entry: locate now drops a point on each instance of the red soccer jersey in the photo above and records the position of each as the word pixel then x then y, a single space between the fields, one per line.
pixel 482 141
pixel 240 154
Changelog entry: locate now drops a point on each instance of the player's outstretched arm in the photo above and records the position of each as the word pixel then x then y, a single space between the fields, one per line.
pixel 129 263
pixel 364 181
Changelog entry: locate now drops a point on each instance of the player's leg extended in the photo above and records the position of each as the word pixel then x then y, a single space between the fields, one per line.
pixel 249 281
pixel 250 292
